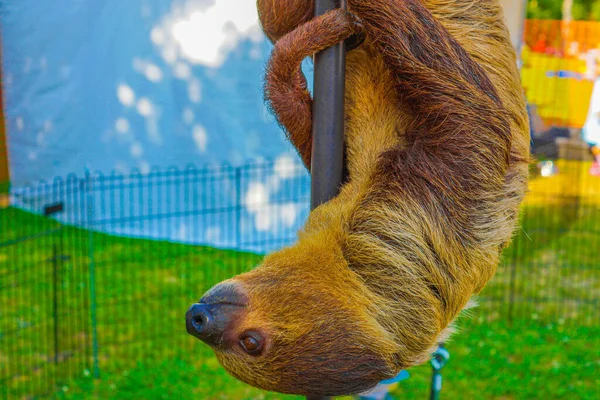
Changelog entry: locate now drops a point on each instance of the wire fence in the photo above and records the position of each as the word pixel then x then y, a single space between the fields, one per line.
pixel 96 272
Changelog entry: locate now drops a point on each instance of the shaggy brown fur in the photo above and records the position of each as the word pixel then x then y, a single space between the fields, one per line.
pixel 437 151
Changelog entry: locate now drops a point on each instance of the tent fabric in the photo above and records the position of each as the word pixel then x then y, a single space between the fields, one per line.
pixel 115 85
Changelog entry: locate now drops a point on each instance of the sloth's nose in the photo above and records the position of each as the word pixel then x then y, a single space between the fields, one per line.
pixel 210 319
pixel 201 323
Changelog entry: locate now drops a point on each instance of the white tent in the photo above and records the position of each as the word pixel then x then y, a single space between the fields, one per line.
pixel 514 14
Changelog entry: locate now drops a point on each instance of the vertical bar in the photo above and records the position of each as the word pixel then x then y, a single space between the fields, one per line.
pixel 512 282
pixel 92 273
pixel 238 207
pixel 328 116
pixel 55 256
pixel 438 362
pixel 436 385
pixel 4 164
pixel 327 162
pixel 61 302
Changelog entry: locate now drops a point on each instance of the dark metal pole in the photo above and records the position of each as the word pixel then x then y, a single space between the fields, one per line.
pixel 328 116
pixel 327 162
pixel 438 362
pixel 50 210
pixel 87 187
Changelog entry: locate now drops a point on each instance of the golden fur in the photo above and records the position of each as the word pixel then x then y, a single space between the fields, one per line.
pixel 437 148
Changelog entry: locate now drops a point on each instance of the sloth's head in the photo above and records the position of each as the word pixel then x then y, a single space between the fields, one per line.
pixel 299 323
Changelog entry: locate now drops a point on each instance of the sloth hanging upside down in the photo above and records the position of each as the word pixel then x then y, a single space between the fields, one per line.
pixel 437 152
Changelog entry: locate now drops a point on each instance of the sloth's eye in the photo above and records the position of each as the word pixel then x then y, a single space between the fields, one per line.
pixel 252 343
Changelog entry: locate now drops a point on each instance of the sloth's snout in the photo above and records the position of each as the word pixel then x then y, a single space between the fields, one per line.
pixel 201 323
pixel 211 318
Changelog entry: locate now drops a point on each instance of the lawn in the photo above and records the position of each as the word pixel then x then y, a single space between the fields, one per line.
pixel 489 360
pixel 549 350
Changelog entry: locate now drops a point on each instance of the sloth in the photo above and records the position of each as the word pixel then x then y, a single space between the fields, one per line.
pixel 437 152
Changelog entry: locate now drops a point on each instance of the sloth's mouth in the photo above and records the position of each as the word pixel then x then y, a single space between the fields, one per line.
pixel 225 294
pixel 221 303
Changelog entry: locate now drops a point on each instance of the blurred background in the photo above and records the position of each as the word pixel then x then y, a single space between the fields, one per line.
pixel 139 166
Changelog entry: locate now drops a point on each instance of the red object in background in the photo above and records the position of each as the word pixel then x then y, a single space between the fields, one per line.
pixel 555 36
pixel 540 45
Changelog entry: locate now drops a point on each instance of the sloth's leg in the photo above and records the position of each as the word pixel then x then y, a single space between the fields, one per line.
pixel 286 90
pixel 458 146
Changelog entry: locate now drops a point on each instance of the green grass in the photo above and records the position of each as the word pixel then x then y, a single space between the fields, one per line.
pixel 489 360
pixel 550 351
pixel 555 258
pixel 143 289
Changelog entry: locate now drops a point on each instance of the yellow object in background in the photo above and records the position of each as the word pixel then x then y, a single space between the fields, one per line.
pixel 559 69
pixel 572 180
pixel 561 101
